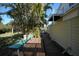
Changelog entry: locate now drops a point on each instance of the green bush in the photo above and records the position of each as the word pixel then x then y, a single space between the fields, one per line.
pixel 36 32
pixel 4 30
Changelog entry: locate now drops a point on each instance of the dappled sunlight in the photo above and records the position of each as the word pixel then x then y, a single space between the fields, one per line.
pixel 9 34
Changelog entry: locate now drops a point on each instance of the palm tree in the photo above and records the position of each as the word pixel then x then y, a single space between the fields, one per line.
pixel 38 16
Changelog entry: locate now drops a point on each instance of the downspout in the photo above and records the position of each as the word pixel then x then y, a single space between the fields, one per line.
pixel 53 19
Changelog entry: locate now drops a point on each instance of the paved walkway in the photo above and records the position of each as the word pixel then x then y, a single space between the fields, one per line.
pixel 51 47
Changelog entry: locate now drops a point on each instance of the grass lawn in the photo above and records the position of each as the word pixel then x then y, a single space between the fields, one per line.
pixel 8 34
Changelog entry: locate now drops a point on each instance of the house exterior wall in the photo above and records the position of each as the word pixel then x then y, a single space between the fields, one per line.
pixel 71 14
pixel 75 36
pixel 66 32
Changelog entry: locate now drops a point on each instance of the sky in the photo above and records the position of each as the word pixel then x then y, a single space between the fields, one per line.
pixel 54 7
pixel 49 12
pixel 4 9
pixel 7 19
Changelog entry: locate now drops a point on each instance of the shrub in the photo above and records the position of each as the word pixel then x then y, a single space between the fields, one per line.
pixel 4 30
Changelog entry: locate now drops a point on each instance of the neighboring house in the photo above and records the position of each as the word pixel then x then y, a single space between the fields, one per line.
pixel 65 31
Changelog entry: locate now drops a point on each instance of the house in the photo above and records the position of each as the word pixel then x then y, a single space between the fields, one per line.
pixel 63 9
pixel 65 31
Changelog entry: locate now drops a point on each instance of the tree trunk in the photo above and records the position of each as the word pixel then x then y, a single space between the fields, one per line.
pixel 23 30
pixel 12 30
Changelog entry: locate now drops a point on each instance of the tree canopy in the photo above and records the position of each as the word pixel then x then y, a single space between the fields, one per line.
pixel 27 16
